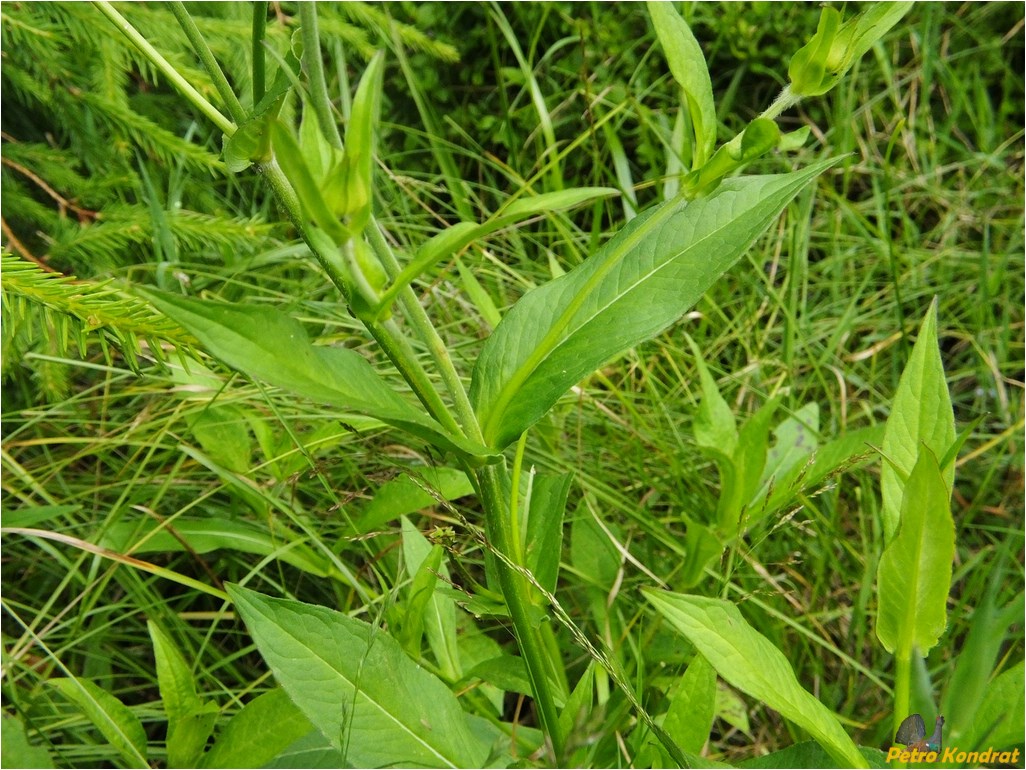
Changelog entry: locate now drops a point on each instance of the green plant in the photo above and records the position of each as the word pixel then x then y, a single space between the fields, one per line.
pixel 347 680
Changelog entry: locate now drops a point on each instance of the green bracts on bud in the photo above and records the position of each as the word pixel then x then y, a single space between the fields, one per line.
pixel 833 50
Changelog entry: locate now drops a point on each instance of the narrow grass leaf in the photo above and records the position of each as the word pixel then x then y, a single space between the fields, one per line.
pixel 921 414
pixel 751 663
pixel 259 732
pixel 206 535
pixel 356 685
pixel 639 283
pixel 270 346
pixel 914 575
pixel 110 716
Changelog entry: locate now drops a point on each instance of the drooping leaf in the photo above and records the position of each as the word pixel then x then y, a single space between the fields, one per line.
pixel 750 662
pixel 259 732
pixel 639 283
pixel 115 721
pixel 356 685
pixel 688 67
pixel 921 414
pixel 270 346
pixel 914 574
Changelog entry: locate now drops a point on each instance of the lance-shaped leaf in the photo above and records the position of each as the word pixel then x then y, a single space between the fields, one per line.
pixel 914 576
pixel 921 414
pixel 639 283
pixel 688 67
pixel 454 239
pixel 358 687
pixel 750 662
pixel 115 721
pixel 270 346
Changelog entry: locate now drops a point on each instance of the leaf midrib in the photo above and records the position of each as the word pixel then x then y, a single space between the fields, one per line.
pixel 362 692
pixel 552 342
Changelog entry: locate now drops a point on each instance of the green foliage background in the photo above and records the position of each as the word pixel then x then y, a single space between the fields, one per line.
pixel 107 175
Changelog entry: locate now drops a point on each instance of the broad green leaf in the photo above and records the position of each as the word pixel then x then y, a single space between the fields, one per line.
pixel 749 460
pixel 921 414
pixel 311 752
pixel 809 755
pixel 796 439
pixel 206 535
pixel 750 662
pixel 190 721
pixel 223 433
pixel 715 427
pixel 690 716
pixel 293 165
pixel 591 553
pixel 507 672
pixel 701 547
pixel 999 722
pixel 15 749
pixel 357 169
pixel 261 730
pixel 688 67
pixel 270 346
pixel 451 241
pixel 356 685
pixel 407 494
pixel 423 562
pixel 914 574
pixel 639 283
pixel 544 531
pixel 579 705
pixel 759 137
pixel 437 611
pixel 846 449
pixel 115 721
